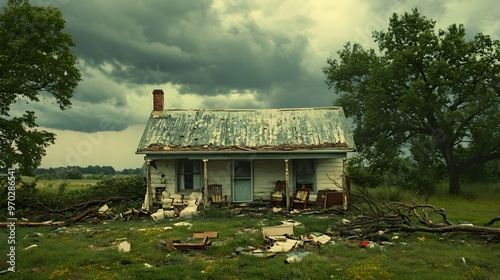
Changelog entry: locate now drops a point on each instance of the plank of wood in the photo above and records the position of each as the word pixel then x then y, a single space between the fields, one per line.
pixel 210 234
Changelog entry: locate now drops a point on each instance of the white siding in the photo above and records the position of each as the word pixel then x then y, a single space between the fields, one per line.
pixel 266 173
pixel 219 172
pixel 328 170
pixel 167 168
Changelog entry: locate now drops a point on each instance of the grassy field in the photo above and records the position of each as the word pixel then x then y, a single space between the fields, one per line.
pixel 89 251
pixel 70 184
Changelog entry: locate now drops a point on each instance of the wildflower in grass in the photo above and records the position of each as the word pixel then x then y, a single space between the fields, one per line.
pixel 369 269
pixel 59 273
pixel 208 269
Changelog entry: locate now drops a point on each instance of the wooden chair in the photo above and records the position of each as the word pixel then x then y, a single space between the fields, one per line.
pixel 215 195
pixel 277 195
pixel 301 196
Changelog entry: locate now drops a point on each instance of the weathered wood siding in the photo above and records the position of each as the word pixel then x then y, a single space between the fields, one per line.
pixel 219 172
pixel 167 168
pixel 266 173
pixel 329 168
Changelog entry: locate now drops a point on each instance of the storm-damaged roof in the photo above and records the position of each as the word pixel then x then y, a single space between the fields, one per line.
pixel 247 130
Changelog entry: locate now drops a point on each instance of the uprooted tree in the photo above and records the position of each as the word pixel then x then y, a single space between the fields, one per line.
pixel 376 216
pixel 434 95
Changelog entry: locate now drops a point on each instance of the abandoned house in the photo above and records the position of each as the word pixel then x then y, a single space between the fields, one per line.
pixel 251 155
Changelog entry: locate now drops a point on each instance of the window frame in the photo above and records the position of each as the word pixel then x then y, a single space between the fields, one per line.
pixel 313 173
pixel 180 184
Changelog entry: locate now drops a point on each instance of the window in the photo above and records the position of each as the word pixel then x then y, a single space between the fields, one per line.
pixel 189 175
pixel 304 173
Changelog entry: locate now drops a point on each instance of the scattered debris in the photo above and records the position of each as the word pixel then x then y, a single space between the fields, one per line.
pixel 291 222
pixel 31 246
pixel 277 209
pixel 210 234
pixel 252 251
pixel 183 224
pixel 103 209
pixel 319 237
pixel 159 215
pixel 202 245
pixel 147 265
pixel 277 230
pixel 296 257
pixel 200 240
pixel 34 234
pixel 124 247
pixel 282 244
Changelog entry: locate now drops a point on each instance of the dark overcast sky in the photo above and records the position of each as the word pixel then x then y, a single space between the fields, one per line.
pixel 211 54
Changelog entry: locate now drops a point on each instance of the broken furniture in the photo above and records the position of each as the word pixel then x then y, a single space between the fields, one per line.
pixel 185 246
pixel 176 244
pixel 171 200
pixel 301 197
pixel 215 195
pixel 193 204
pixel 328 198
pixel 280 237
pixel 277 195
pixel 277 230
pixel 201 237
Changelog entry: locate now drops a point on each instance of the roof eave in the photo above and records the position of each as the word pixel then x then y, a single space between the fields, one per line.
pixel 324 153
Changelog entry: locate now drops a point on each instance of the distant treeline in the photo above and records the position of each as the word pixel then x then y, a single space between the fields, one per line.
pixel 79 172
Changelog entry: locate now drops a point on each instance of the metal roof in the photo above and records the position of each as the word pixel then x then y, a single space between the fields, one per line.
pixel 247 130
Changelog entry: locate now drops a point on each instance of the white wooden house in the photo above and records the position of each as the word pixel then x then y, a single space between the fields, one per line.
pixel 246 151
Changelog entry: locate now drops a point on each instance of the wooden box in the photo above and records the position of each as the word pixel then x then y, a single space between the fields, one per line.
pixel 328 198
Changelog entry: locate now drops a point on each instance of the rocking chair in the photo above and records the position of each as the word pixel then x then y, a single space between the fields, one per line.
pixel 302 196
pixel 215 195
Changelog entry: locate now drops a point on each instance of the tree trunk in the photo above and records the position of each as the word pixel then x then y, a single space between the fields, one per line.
pixel 454 180
pixel 446 148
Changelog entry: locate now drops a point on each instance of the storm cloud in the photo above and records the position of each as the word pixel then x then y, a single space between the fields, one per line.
pixel 220 53
pixel 270 50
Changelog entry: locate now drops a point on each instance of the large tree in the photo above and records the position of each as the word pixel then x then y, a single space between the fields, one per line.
pixel 36 61
pixel 433 95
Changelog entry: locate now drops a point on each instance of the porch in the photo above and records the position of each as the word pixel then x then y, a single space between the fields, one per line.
pixel 244 179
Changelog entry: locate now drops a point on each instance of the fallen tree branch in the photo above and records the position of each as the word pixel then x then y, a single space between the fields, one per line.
pixel 91 213
pixel 84 205
pixel 395 216
pixel 454 228
pixel 33 224
pixel 492 221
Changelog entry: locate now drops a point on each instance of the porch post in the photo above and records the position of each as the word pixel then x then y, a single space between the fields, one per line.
pixel 205 183
pixel 149 191
pixel 346 190
pixel 287 188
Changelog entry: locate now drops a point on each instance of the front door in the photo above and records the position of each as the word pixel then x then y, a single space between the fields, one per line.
pixel 242 181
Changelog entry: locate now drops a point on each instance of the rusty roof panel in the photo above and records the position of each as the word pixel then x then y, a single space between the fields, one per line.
pixel 269 129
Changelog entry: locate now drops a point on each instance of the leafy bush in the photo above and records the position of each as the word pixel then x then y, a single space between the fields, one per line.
pixel 488 172
pixel 32 200
pixel 398 174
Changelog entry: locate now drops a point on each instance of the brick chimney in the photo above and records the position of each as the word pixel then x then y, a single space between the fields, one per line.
pixel 157 102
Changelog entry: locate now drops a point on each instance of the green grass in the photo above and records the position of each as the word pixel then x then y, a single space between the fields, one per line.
pixel 88 251
pixel 53 185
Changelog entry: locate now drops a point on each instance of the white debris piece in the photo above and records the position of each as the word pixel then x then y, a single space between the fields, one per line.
pixel 103 209
pixel 32 246
pixel 181 224
pixel 124 247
